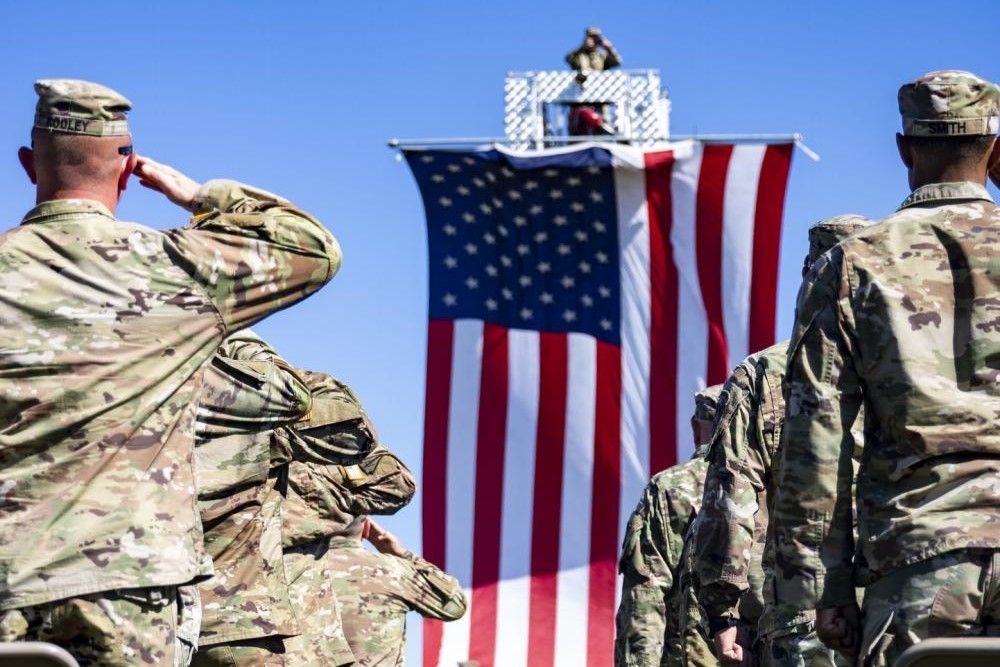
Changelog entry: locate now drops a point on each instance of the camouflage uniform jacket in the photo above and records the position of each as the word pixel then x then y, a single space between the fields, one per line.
pixel 698 649
pixel 376 590
pixel 249 390
pixel 597 60
pixel 337 470
pixel 648 627
pixel 733 520
pixel 107 326
pixel 901 317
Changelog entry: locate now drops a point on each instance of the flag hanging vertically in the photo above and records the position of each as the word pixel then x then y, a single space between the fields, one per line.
pixel 578 298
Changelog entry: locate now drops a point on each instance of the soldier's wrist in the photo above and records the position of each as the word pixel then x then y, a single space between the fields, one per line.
pixel 717 624
pixel 837 590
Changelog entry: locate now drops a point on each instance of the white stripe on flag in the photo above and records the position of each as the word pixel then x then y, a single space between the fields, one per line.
pixel 513 591
pixel 573 585
pixel 692 330
pixel 463 412
pixel 633 244
pixel 737 252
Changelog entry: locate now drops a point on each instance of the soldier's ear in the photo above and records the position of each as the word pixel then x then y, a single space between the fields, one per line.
pixel 903 145
pixel 126 172
pixel 26 157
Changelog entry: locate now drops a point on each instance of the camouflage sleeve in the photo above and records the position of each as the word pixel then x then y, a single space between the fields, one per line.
pixel 572 59
pixel 380 484
pixel 432 593
pixel 812 509
pixel 613 59
pixel 252 252
pixel 725 536
pixel 250 388
pixel 647 565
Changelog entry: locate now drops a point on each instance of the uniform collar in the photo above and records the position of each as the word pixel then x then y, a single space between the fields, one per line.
pixel 48 210
pixel 345 542
pixel 945 192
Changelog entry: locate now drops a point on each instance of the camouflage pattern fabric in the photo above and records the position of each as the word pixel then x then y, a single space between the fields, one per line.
pixel 950 103
pixel 900 317
pixel 263 652
pixel 111 629
pixel 71 106
pixel 376 590
pixel 697 649
pixel 648 625
pixel 597 60
pixel 324 499
pixel 107 326
pixel 647 630
pixel 733 520
pixel 337 470
pixel 956 594
pixel 311 590
pixel 796 646
pixel 249 390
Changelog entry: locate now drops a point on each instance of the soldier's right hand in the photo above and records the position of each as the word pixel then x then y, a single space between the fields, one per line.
pixel 840 629
pixel 166 180
pixel 732 646
pixel 383 540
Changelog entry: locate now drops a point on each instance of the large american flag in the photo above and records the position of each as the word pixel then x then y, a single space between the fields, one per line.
pixel 578 298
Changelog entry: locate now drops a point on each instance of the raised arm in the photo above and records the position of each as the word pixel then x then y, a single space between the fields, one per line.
pixel 252 252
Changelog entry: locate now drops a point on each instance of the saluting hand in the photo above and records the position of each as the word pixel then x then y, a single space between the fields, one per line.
pixel 383 540
pixel 169 182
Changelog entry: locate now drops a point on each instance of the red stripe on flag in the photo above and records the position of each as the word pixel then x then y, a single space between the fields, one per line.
pixel 604 510
pixel 708 241
pixel 663 314
pixel 767 244
pixel 549 454
pixel 440 338
pixel 490 435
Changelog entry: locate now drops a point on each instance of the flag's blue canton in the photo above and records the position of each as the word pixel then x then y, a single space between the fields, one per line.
pixel 527 243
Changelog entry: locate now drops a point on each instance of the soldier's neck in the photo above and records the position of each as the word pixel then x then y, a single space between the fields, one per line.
pixel 947 174
pixel 110 201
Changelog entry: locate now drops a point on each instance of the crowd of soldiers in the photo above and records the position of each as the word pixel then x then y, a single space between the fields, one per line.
pixel 843 503
pixel 173 491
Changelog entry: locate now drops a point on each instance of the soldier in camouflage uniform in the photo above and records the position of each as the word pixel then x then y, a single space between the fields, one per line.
pixel 107 326
pixel 733 519
pixel 249 391
pixel 337 471
pixel 902 318
pixel 650 630
pixel 596 54
pixel 376 590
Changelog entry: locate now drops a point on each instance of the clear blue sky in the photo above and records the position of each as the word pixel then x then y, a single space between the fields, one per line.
pixel 299 98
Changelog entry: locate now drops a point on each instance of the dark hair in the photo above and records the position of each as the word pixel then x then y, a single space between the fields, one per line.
pixel 954 149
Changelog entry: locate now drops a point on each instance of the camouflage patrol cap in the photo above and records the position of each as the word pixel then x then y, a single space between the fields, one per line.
pixel 827 233
pixel 593 32
pixel 72 106
pixel 949 103
pixel 706 401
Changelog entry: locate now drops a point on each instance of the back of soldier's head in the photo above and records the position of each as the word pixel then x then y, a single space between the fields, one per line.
pixel 80 134
pixel 827 233
pixel 950 117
